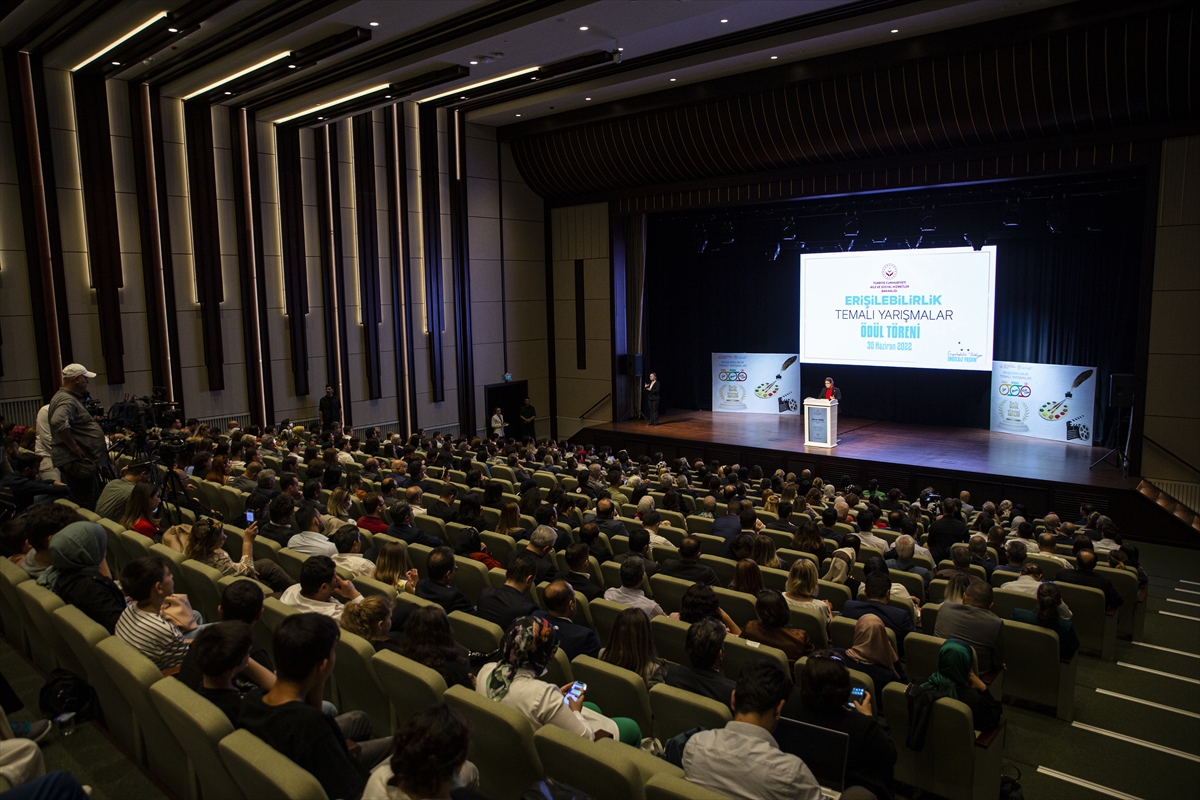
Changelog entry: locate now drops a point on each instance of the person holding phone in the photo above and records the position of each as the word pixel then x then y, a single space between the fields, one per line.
pixel 828 700
pixel 206 545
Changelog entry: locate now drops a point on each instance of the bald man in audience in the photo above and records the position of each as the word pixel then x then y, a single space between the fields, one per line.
pixel 413 495
pixel 573 638
pixel 974 622
pixel 606 519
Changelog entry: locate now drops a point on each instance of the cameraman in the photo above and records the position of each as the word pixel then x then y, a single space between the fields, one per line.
pixel 79 450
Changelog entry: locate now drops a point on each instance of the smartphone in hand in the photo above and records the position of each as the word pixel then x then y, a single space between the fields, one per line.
pixel 857 695
pixel 576 691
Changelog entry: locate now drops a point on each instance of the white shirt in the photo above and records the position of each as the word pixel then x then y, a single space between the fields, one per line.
pixel 345 458
pixel 43 443
pixel 542 704
pixel 331 608
pixel 744 761
pixel 660 541
pixel 498 423
pixel 359 567
pixel 871 540
pixel 635 598
pixel 310 543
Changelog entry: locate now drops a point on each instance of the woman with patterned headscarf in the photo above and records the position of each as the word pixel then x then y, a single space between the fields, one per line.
pixel 955 679
pixel 525 655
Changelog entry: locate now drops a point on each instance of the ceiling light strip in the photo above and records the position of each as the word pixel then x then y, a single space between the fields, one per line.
pixel 236 75
pixel 320 106
pixel 471 86
pixel 114 44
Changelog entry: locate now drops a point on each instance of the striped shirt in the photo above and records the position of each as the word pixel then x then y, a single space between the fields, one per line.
pixel 152 636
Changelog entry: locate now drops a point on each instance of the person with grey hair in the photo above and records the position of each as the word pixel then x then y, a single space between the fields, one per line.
pixel 705 648
pixel 978 548
pixel 1015 553
pixel 1052 523
pixel 541 543
pixel 709 506
pixel 906 547
pixel 266 480
pixel 630 593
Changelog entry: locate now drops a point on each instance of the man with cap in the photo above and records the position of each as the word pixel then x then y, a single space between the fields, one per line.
pixel 78 449
pixel 115 496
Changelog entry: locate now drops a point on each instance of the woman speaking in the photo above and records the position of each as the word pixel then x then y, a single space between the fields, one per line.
pixel 830 392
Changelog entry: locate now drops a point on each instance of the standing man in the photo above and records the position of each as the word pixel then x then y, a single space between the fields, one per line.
pixel 78 449
pixel 330 409
pixel 652 399
pixel 528 416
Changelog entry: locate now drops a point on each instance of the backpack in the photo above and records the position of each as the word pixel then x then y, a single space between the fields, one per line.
pixel 673 752
pixel 65 691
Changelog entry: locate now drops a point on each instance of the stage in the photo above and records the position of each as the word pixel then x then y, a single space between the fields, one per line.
pixel 1041 474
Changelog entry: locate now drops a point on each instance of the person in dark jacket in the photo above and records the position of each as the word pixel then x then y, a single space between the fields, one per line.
pixel 955 680
pixel 402 527
pixel 878 588
pixel 1084 574
pixel 946 531
pixel 79 575
pixel 688 567
pixel 511 601
pixel 440 567
pixel 573 638
pixel 589 534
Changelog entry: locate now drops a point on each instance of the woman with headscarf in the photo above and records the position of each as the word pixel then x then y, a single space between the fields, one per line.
pixel 955 679
pixel 79 574
pixel 525 655
pixel 872 653
pixel 468 543
pixel 841 569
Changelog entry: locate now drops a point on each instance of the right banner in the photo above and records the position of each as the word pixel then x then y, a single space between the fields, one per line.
pixel 1047 401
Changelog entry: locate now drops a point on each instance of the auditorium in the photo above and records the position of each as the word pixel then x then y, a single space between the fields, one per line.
pixel 599 399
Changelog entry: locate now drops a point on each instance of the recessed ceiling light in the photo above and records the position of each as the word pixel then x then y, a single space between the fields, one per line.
pixel 724 20
pixel 462 97
pixel 387 97
pixel 320 118
pixel 773 58
pixel 116 63
pixel 173 30
pixel 895 30
pixel 374 24
pixel 583 27
pixel 672 80
pixel 472 62
pixel 229 93
pixel 291 66
pixel 518 115
pixel 587 98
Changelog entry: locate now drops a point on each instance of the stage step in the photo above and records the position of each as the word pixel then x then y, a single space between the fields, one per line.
pixel 1169 504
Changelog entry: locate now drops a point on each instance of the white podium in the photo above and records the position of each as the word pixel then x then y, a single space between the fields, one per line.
pixel 820 422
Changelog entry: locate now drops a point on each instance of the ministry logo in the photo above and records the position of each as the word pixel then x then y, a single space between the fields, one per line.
pixel 889 271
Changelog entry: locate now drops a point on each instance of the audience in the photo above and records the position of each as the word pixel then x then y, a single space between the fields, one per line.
pixel 688 567
pixel 142 625
pixel 973 622
pixel 878 587
pixel 41 522
pixel 440 567
pixel 633 575
pixel 574 638
pixel 467 542
pixel 872 653
pixel 631 647
pixel 1049 615
pixel 79 574
pixel 700 602
pixel 510 601
pixel 371 619
pixel 428 640
pixel 310 541
pixel 429 759
pixel 140 511
pixel 222 653
pixel 206 545
pixel 802 587
pixel 955 679
pixel 319 582
pixel 1084 574
pixel 348 541
pixel 772 627
pixel 705 648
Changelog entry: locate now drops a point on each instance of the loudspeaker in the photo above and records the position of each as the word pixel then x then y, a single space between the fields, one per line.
pixel 631 365
pixel 1120 391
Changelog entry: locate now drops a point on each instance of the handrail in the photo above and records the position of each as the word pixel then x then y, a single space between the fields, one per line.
pixel 598 402
pixel 1186 463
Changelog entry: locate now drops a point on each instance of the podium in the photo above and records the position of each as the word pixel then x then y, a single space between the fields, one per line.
pixel 820 422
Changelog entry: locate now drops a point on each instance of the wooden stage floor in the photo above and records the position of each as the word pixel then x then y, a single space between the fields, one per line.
pixel 962 450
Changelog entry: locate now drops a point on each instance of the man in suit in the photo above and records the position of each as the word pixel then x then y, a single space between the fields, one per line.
pixel 688 567
pixel 652 393
pixel 441 507
pixel 1084 574
pixel 705 647
pixel 784 523
pixel 510 601
pixel 580 576
pixel 728 525
pixel 606 519
pixel 573 638
pixel 903 561
pixel 878 587
pixel 541 543
pixel 437 587
pixel 402 527
pixel 979 554
pixel 589 534
pixel 639 545
pixel 945 531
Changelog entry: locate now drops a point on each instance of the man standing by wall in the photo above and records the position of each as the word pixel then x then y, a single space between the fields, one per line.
pixel 78 448
pixel 652 399
pixel 330 409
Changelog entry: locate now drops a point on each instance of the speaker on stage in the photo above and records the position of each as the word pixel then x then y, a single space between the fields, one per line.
pixel 632 365
pixel 1120 391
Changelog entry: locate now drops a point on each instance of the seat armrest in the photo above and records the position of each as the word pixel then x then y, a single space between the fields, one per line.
pixel 986 738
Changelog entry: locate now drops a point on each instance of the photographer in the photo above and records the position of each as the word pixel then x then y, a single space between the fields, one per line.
pixel 78 450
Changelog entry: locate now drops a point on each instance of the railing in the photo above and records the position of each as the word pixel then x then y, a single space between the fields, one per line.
pixel 21 412
pixel 1183 461
pixel 595 405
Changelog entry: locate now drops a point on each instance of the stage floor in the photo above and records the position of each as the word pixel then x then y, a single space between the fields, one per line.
pixel 954 449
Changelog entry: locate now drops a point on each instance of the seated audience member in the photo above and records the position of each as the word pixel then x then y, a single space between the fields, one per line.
pixel 639 547
pixel 140 508
pixel 898 591
pixel 470 513
pixel 841 564
pixel 467 542
pixel 960 557
pixel 281 512
pixel 743 760
pixel 148 583
pixel 402 527
pixel 589 534
pixel 541 543
pixel 878 587
pixel 688 567
pixel 633 575
pixel 784 523
pixel 440 568
pixel 79 574
pixel 973 622
pixel 802 587
pixel 579 574
pixel 372 519
pixel 955 680
pixel 392 568
pixel 807 539
pixel 510 601
pixel 1028 582
pixel 903 562
pixel 241 601
pixel 747 577
pixel 575 639
pixel 948 529
pixel 866 527
pixel 827 529
pixel 977 547
pixel 41 522
pixel 1049 615
pixel 428 640
pixel 771 627
pixel 631 647
pixel 289 717
pixel 606 519
pixel 651 522
pixel 823 700
pixel 514 680
pixel 348 541
pixel 510 521
pixel 442 506
pixel 310 541
pixel 429 759
pixel 1046 548
pixel 1084 574
pixel 206 545
pixel 700 602
pixel 705 648
pixel 1015 555
pixel 319 582
pixel 371 620
pixel 222 652
pixel 872 653
pixel 764 553
pixel 115 496
pixel 956 587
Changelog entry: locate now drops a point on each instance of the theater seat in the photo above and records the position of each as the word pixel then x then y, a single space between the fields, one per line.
pixel 204 588
pixel 502 745
pixel 358 687
pixel 669 787
pixel 410 686
pixel 40 605
pixel 670 637
pixel 605 769
pixel 418 557
pixel 176 559
pixel 263 772
pixel 841 633
pixel 738 605
pixel 1096 629
pixel 604 614
pixel 291 561
pixel 1035 672
pixel 812 623
pixel 475 633
pixel 739 651
pixel 202 725
pixel 17 627
pixel 471 577
pixel 82 634
pixel 677 710
pixel 619 692
pixel 669 591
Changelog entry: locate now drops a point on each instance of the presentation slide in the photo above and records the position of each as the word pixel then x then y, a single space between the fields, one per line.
pixel 756 383
pixel 930 309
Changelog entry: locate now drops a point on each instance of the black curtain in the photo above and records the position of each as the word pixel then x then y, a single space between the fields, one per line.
pixel 1061 298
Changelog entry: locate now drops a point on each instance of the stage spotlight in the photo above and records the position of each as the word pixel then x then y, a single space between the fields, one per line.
pixel 976 240
pixel 1011 216
pixel 774 254
pixel 928 223
pixel 851 228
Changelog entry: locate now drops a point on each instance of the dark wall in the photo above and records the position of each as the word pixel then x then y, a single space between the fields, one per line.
pixel 1067 297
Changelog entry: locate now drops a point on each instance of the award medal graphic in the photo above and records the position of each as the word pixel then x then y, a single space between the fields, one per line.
pixel 732 396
